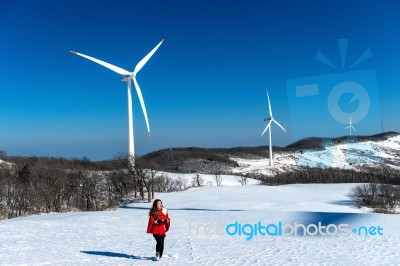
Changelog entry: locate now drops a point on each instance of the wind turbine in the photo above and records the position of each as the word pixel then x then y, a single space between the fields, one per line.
pixel 350 126
pixel 270 119
pixel 128 76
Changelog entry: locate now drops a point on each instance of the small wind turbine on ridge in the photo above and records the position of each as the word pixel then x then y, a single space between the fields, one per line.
pixel 270 119
pixel 128 77
pixel 350 126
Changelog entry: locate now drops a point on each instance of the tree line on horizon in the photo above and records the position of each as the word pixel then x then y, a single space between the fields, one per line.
pixel 34 185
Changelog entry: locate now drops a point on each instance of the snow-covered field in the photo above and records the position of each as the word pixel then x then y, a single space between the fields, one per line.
pixel 198 237
pixel 206 222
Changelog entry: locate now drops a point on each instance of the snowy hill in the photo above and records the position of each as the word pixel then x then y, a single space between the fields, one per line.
pixel 118 237
pixel 344 152
pixel 349 154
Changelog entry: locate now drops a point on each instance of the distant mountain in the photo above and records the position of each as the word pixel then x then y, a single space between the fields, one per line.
pixel 312 152
pixel 204 160
pixel 342 152
pixel 320 142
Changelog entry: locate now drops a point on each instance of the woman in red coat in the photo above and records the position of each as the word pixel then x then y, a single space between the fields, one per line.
pixel 158 225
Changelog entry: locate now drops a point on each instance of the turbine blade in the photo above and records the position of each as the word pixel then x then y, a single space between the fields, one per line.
pixel 119 70
pixel 268 125
pixel 146 58
pixel 350 120
pixel 269 105
pixel 276 122
pixel 353 128
pixel 347 127
pixel 139 93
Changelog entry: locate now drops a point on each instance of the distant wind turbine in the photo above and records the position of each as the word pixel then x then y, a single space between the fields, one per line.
pixel 350 126
pixel 128 76
pixel 270 119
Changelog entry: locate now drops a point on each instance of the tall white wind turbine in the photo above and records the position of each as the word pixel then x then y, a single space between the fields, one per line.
pixel 350 126
pixel 128 76
pixel 270 119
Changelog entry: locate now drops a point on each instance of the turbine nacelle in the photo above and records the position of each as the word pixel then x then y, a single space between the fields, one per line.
pixel 126 78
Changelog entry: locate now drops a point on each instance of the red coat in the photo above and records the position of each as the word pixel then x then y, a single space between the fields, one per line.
pixel 159 228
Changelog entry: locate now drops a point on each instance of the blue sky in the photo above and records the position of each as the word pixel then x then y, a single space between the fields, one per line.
pixel 204 87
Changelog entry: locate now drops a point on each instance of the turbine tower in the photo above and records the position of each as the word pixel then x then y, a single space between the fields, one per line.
pixel 350 126
pixel 270 119
pixel 128 77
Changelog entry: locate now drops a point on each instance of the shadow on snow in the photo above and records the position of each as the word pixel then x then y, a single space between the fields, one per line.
pixel 116 255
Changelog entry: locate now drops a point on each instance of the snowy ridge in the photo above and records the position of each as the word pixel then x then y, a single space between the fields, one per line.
pixel 349 155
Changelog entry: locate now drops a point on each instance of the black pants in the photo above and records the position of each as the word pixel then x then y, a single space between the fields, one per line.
pixel 160 243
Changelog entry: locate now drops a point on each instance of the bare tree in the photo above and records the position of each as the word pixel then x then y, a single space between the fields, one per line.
pixel 164 183
pixel 182 183
pixel 126 177
pixel 242 180
pixel 168 183
pixel 8 207
pixel 120 182
pixel 87 188
pixel 148 181
pixel 197 180
pixel 150 173
pixel 218 180
pixel 217 172
pixel 383 198
pixel 50 188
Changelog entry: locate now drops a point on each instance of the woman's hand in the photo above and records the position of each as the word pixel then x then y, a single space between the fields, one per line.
pixel 161 221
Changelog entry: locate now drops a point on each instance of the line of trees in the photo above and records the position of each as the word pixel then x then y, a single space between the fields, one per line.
pixel 34 189
pixel 189 160
pixel 42 185
pixel 365 174
pixel 34 185
pixel 382 198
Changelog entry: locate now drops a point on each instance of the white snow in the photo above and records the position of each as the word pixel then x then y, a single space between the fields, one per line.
pixel 118 237
pixel 348 156
pixel 393 143
pixel 199 217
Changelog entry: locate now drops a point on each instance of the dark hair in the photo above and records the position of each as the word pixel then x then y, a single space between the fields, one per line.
pixel 153 210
